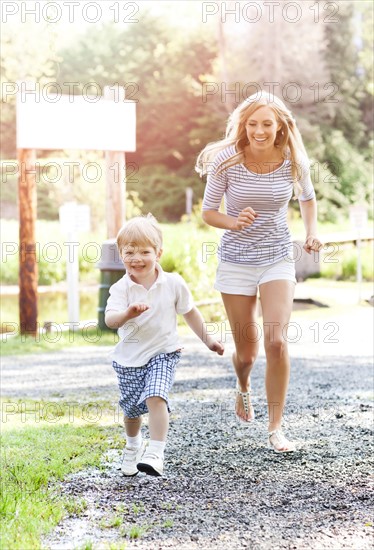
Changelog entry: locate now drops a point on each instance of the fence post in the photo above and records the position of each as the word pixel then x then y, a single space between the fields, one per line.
pixel 28 268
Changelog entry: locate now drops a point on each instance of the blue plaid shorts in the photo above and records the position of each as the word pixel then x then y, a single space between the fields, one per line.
pixel 136 384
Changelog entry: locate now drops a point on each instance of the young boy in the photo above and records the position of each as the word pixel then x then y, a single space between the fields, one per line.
pixel 143 305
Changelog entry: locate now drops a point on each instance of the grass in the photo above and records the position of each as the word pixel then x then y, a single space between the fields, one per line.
pixel 56 340
pixel 137 507
pixel 189 250
pixel 17 414
pixel 51 252
pixel 110 522
pixel 168 523
pixel 36 456
pixel 42 443
pixel 135 531
pixel 340 262
pixel 213 312
pixel 296 226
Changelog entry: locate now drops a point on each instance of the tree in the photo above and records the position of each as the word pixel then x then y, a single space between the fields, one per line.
pixel 309 63
pixel 28 52
pixel 342 60
pixel 159 70
pixel 164 73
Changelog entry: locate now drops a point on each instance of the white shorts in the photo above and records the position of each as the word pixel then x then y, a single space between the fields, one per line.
pixel 244 279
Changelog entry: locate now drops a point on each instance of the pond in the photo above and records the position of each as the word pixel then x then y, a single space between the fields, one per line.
pixel 52 306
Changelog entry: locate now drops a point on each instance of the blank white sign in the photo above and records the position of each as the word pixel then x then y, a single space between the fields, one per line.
pixel 73 122
pixel 74 217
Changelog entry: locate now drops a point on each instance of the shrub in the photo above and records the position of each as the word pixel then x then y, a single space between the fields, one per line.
pixel 345 268
pixel 187 252
pixel 163 192
pixel 50 273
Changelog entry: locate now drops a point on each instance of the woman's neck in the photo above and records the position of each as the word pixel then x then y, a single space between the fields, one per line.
pixel 271 155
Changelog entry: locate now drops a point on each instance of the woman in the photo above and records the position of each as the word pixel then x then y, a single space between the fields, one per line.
pixel 257 167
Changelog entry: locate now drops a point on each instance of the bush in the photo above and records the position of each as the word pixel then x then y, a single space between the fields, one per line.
pixel 9 271
pixel 349 166
pixel 163 192
pixel 50 273
pixel 189 251
pixel 345 268
pixel 340 173
pixel 195 217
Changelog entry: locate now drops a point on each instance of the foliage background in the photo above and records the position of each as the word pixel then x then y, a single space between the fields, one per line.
pixel 164 60
pixel 322 66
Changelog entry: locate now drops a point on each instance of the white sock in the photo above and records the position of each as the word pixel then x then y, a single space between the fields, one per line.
pixel 156 447
pixel 134 442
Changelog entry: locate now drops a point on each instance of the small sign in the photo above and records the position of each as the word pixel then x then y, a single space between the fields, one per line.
pixel 74 217
pixel 358 215
pixel 189 197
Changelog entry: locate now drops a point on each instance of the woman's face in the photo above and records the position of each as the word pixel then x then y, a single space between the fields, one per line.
pixel 262 127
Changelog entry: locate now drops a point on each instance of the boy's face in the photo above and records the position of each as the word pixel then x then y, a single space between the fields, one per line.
pixel 140 261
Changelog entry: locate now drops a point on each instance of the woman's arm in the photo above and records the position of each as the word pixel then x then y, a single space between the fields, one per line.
pixel 308 211
pixel 223 221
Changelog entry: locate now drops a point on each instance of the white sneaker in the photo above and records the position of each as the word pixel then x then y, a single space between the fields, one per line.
pixel 151 464
pixel 130 458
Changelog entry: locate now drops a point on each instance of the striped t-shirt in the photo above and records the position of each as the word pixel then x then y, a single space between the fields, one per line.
pixel 268 239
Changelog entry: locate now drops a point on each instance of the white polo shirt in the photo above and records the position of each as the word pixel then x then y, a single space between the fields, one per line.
pixel 155 330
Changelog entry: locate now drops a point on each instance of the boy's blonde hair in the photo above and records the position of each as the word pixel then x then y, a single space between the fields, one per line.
pixel 142 230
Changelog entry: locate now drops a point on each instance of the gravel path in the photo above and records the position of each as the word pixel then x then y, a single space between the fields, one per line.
pixel 223 489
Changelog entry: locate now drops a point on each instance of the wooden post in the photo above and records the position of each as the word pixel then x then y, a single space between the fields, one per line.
pixel 28 269
pixel 115 176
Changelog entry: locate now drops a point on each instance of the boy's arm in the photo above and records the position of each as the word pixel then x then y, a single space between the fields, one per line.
pixel 195 321
pixel 116 319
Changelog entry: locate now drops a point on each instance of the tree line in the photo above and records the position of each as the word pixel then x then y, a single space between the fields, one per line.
pixel 186 83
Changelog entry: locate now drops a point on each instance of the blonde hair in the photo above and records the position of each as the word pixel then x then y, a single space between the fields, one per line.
pixel 288 137
pixel 141 230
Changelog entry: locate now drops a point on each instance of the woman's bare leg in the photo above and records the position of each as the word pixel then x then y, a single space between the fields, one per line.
pixel 276 304
pixel 241 313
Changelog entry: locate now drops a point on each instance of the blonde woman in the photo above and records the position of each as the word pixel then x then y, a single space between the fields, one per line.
pixel 259 165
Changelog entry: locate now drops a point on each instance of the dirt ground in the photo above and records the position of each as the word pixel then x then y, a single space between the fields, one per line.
pixel 222 487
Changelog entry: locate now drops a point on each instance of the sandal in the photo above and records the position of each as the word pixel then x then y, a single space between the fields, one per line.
pixel 245 395
pixel 279 443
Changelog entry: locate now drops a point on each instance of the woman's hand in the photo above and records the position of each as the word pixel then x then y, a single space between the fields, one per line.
pixel 312 243
pixel 246 218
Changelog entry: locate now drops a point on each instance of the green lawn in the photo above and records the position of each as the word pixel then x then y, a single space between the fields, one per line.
pixel 189 249
pixel 54 341
pixel 39 449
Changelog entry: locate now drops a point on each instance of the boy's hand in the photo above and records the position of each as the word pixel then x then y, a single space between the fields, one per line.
pixel 136 309
pixel 216 345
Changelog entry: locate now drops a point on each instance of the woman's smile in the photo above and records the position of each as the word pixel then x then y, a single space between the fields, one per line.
pixel 262 126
